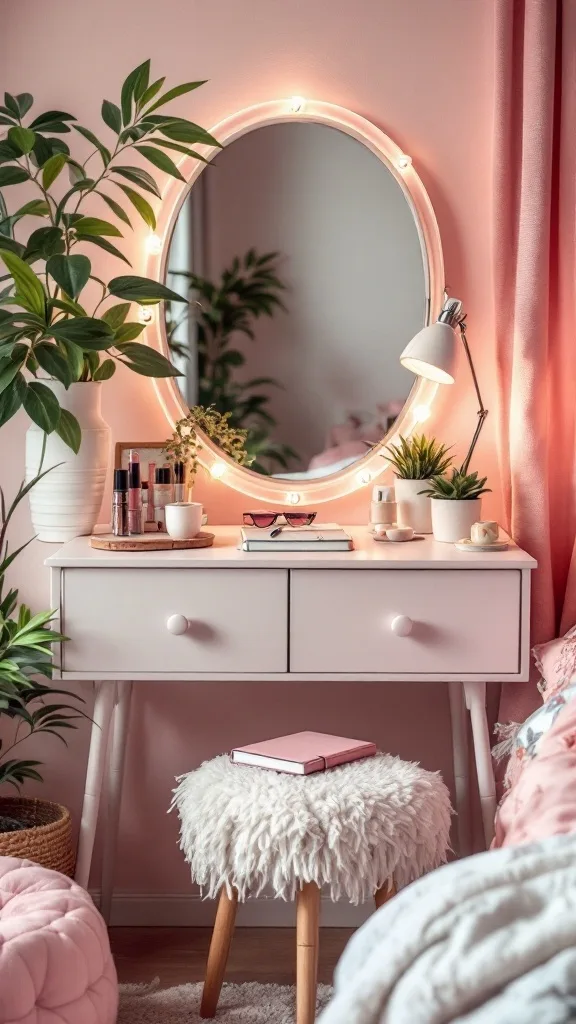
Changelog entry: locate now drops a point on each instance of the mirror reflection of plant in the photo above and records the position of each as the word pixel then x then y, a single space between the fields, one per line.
pixel 26 654
pixel 247 290
pixel 185 445
pixel 46 326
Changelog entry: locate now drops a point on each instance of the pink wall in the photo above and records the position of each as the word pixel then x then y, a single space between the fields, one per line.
pixel 421 71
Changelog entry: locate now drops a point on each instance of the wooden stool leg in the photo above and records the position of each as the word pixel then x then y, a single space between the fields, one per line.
pixel 219 950
pixel 384 894
pixel 307 936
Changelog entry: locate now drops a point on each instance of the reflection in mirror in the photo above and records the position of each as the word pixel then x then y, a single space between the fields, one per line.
pixel 306 278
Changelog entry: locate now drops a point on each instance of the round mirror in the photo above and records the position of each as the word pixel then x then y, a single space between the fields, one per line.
pixel 304 254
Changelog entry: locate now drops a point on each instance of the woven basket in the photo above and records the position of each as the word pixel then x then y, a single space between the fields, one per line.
pixel 48 838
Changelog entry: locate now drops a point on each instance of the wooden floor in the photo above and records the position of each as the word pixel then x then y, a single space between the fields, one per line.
pixel 178 955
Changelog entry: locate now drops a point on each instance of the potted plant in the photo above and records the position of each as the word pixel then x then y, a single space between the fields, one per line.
pixel 185 446
pixel 416 459
pixel 61 332
pixel 456 504
pixel 35 829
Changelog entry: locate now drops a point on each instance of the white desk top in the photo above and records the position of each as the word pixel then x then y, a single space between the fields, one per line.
pixel 367 554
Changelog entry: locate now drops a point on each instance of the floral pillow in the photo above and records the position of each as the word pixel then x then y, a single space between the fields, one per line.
pixel 530 734
pixel 556 660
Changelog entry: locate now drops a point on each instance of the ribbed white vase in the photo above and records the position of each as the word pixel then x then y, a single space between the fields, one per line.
pixel 66 502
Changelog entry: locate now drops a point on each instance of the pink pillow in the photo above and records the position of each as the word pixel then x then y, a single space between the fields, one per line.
pixel 542 802
pixel 556 661
pixel 55 960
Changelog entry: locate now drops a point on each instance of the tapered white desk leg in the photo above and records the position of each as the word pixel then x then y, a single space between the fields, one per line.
pixel 461 766
pixel 116 762
pixel 103 707
pixel 476 703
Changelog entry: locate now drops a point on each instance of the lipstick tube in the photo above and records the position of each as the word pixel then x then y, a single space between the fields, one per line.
pixel 151 482
pixel 120 503
pixel 134 495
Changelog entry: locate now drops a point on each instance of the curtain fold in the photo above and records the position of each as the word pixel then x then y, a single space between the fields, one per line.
pixel 534 246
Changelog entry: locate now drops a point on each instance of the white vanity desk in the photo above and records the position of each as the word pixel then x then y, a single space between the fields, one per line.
pixel 414 612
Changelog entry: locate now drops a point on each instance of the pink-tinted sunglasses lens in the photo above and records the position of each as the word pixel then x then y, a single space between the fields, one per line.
pixel 260 519
pixel 300 519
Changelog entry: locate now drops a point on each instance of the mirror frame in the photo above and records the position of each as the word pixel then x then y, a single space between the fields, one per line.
pixel 271 490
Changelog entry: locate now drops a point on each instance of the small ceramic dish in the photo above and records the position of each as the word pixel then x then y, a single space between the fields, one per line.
pixel 467 545
pixel 399 534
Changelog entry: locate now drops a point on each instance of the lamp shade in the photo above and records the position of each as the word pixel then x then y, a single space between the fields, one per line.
pixel 432 353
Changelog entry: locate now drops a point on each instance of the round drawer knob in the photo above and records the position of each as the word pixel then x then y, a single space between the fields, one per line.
pixel 177 624
pixel 401 625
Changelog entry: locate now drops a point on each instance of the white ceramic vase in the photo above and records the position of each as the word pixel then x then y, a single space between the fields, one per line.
pixel 413 508
pixel 66 502
pixel 452 520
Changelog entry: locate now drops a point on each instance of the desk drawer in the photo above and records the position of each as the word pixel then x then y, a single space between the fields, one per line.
pixel 117 620
pixel 462 621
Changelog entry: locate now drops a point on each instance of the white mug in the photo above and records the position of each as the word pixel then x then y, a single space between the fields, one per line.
pixel 183 519
pixel 486 532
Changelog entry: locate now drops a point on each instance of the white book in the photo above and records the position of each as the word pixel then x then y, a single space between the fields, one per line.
pixel 324 537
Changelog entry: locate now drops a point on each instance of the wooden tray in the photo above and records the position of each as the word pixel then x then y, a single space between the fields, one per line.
pixel 149 542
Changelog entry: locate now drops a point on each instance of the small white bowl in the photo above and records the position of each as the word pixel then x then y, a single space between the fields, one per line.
pixel 399 533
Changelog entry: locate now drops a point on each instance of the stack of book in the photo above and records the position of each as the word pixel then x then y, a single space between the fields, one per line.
pixel 302 753
pixel 325 537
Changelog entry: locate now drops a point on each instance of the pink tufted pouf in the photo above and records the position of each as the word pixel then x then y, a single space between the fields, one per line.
pixel 55 960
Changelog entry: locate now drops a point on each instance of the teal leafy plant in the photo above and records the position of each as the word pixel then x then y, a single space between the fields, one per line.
pixel 46 328
pixel 418 457
pixel 457 487
pixel 28 701
pixel 223 310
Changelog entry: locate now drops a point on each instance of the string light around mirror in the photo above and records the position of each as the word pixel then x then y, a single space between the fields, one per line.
pixel 145 315
pixel 153 244
pixel 419 404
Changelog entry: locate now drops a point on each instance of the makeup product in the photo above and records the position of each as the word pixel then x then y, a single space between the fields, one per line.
pixel 179 484
pixel 134 494
pixel 120 503
pixel 145 503
pixel 383 506
pixel 151 481
pixel 183 519
pixel 162 495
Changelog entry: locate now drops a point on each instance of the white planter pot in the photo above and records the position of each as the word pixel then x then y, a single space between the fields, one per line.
pixel 452 520
pixel 413 508
pixel 66 502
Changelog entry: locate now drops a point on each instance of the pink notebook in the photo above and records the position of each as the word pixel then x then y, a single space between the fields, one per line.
pixel 302 753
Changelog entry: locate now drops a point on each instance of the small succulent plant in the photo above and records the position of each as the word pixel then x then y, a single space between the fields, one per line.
pixel 458 487
pixel 419 458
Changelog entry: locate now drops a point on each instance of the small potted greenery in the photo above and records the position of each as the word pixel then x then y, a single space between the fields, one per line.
pixel 63 330
pixel 416 459
pixel 38 830
pixel 456 504
pixel 185 445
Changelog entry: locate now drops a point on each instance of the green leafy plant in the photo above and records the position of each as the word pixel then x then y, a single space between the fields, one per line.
pixel 458 487
pixel 418 458
pixel 26 657
pixel 46 326
pixel 185 445
pixel 247 290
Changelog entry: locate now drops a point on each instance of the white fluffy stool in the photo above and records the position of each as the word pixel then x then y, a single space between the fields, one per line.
pixel 359 830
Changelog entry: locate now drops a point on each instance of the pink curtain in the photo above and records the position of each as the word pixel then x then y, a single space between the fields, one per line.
pixel 534 245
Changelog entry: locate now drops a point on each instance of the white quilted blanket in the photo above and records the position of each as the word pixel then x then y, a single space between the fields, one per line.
pixel 486 940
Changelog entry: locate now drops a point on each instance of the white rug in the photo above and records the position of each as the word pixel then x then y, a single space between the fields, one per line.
pixel 250 1003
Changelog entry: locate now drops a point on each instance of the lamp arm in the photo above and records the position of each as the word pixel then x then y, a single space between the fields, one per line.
pixel 482 411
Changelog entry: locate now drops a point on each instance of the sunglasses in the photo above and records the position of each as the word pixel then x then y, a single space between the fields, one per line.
pixel 265 519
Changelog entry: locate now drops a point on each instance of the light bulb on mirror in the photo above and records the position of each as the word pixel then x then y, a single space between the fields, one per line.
pixel 293 497
pixel 145 315
pixel 364 476
pixel 296 104
pixel 153 244
pixel 217 470
pixel 404 161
